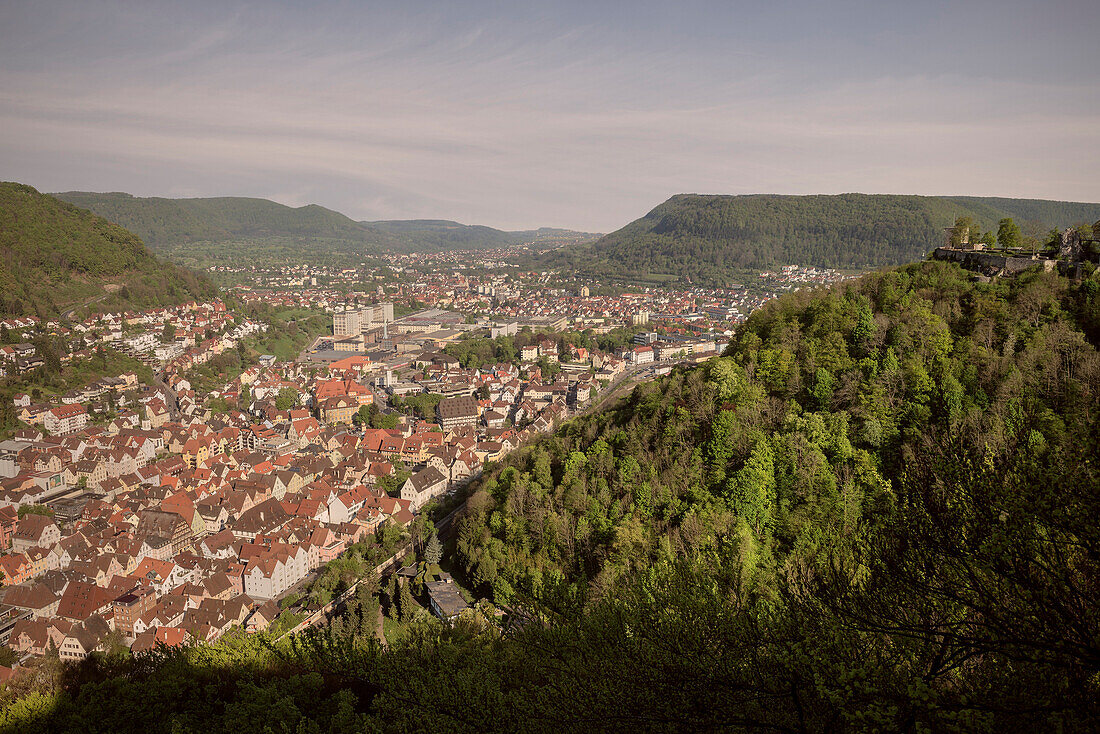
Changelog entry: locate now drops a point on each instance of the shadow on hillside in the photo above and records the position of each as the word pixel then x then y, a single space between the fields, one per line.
pixel 245 686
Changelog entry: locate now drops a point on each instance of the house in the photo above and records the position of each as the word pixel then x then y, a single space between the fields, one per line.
pixel 548 349
pixel 262 617
pixel 130 607
pixel 423 486
pixel 162 575
pixel 493 419
pixel 66 419
pixel 94 473
pixel 38 636
pixel 457 411
pixel 16 569
pixel 38 599
pixel 84 639
pixel 214 517
pixel 339 410
pixel 218 545
pixel 264 518
pixel 272 570
pixel 641 355
pixel 219 586
pixel 82 600
pixel 195 452
pixel 35 530
pixel 43 559
pixel 182 505
pixel 9 518
pixel 444 598
pixel 167 525
pixel 153 638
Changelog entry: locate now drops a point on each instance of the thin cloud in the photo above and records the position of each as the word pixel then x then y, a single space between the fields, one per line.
pixel 533 117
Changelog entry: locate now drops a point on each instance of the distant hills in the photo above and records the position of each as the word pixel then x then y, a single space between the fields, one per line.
pixel 221 230
pixel 691 238
pixel 54 256
pixel 705 239
pixel 244 229
pixel 442 234
pixel 163 222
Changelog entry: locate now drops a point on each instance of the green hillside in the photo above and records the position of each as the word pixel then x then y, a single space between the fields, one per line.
pixel 225 230
pixel 438 234
pixel 441 234
pixel 203 232
pixel 708 238
pixel 875 513
pixel 54 255
pixel 163 222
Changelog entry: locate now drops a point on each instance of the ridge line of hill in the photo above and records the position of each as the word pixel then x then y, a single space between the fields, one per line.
pixel 711 239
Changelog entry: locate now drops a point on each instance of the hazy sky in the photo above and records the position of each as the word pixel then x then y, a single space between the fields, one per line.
pixel 582 115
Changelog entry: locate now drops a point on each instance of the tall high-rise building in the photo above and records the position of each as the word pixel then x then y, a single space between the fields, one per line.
pixel 379 313
pixel 352 322
pixel 346 323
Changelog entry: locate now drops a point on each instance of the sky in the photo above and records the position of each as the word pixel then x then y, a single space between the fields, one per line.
pixel 583 115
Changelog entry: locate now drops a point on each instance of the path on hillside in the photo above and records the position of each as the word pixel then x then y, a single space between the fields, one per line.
pixel 321 615
pixel 67 315
pixel 619 386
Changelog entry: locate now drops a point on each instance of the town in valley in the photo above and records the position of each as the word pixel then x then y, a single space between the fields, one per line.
pixel 184 471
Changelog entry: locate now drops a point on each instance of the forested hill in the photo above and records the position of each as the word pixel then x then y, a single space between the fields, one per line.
pixel 202 232
pixel 705 239
pixel 172 224
pixel 54 255
pixel 440 234
pixel 876 512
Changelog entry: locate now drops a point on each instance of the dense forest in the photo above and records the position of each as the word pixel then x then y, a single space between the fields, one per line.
pixel 162 222
pixel 54 255
pixel 706 239
pixel 234 230
pixel 875 512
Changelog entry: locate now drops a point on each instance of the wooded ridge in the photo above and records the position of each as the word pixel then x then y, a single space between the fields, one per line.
pixel 54 255
pixel 710 239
